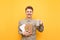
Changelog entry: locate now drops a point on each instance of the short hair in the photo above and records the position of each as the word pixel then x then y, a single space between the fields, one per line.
pixel 29 7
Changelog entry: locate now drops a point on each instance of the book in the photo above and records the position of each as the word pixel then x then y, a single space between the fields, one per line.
pixel 27 28
pixel 22 27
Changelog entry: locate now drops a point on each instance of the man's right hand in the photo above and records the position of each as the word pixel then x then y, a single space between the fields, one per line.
pixel 26 33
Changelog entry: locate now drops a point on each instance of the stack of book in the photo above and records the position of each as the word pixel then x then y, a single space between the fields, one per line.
pixel 27 28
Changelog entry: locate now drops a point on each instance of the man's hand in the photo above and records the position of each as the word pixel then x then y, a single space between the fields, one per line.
pixel 26 33
pixel 41 22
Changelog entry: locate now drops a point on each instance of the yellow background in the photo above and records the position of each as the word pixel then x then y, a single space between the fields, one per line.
pixel 11 11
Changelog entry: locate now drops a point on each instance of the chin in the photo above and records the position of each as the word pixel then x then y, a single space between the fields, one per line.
pixel 29 16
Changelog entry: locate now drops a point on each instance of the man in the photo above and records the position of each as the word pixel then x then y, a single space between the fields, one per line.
pixel 35 25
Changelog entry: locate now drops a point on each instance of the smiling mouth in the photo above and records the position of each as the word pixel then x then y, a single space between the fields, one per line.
pixel 29 14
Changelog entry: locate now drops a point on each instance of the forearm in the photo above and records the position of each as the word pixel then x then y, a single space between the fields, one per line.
pixel 19 30
pixel 41 28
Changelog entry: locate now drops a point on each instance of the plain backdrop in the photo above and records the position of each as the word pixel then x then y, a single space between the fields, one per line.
pixel 11 11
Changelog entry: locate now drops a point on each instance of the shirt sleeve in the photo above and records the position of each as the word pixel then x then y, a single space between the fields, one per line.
pixel 19 30
pixel 40 28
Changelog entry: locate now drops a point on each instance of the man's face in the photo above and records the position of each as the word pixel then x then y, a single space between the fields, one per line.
pixel 29 13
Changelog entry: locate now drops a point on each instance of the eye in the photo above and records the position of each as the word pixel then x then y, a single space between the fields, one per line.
pixel 27 11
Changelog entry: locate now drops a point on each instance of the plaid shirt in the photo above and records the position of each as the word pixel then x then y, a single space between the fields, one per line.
pixel 33 22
